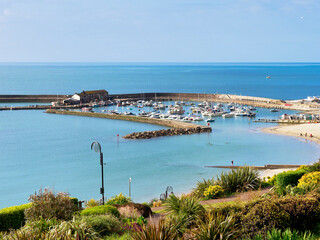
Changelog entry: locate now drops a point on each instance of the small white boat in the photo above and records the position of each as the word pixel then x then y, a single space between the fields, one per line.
pixel 185 119
pixel 129 114
pixel 228 115
pixel 86 109
pixel 217 114
pixel 210 120
pixel 143 114
pixel 197 119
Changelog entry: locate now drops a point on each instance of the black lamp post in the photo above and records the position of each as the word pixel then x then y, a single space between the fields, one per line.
pixel 97 148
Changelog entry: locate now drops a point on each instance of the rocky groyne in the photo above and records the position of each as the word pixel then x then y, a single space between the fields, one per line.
pixel 167 132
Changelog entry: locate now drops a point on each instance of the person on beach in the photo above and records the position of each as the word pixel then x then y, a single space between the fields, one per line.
pixel 232 163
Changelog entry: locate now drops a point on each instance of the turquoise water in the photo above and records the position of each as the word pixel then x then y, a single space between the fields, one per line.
pixel 20 104
pixel 44 150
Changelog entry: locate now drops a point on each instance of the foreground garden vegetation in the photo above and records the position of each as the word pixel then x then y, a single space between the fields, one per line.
pixel 290 210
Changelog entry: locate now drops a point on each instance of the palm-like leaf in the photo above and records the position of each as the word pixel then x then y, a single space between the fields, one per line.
pixel 162 231
pixel 239 180
pixel 216 226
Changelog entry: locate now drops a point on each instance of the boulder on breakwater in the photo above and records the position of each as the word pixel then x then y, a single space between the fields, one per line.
pixel 167 132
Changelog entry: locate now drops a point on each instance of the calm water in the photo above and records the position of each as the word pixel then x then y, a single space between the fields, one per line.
pixel 288 81
pixel 43 150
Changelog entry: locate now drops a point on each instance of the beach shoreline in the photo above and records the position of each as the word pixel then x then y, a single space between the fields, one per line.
pixel 302 131
pixel 292 131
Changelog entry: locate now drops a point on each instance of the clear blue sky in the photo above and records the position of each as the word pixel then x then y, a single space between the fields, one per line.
pixel 160 31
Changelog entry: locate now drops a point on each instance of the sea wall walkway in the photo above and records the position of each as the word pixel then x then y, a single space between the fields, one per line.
pixel 178 128
pixel 32 98
pixel 42 107
pixel 225 98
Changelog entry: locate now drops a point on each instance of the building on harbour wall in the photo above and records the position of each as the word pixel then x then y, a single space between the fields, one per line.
pixel 87 97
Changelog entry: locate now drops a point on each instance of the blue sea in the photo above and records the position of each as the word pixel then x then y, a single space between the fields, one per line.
pixel 41 150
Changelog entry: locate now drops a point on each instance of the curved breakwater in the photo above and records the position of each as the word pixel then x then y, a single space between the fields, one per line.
pixel 225 98
pixel 177 128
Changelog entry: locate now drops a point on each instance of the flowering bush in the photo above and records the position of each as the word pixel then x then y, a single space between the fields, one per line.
pixel 272 180
pixel 92 203
pixel 309 179
pixel 119 199
pixel 213 192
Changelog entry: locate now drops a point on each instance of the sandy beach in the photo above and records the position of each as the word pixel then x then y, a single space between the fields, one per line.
pixel 294 131
pixel 300 130
pixel 271 172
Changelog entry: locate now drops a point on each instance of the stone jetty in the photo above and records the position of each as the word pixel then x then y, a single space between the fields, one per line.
pixel 167 132
pixel 176 127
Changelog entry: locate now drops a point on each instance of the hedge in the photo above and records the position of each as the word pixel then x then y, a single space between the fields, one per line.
pixel 100 210
pixel 13 217
pixel 299 213
pixel 289 178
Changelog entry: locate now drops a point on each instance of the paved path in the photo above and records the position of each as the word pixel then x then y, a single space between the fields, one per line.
pixel 239 197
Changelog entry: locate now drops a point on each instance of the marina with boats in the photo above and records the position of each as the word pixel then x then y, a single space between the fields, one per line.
pixel 177 111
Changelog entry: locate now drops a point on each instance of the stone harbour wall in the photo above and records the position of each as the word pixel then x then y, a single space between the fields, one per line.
pixel 176 127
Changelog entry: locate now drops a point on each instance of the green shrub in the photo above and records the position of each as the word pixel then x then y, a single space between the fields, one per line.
pixel 47 204
pixel 239 180
pixel 202 186
pixel 65 230
pixel 125 236
pixel 100 210
pixel 289 178
pixel 43 225
pixel 288 234
pixel 13 217
pixel 290 190
pixel 118 200
pixel 299 213
pixel 213 192
pixel 75 201
pixel 103 224
pixel 226 208
pixel 314 167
